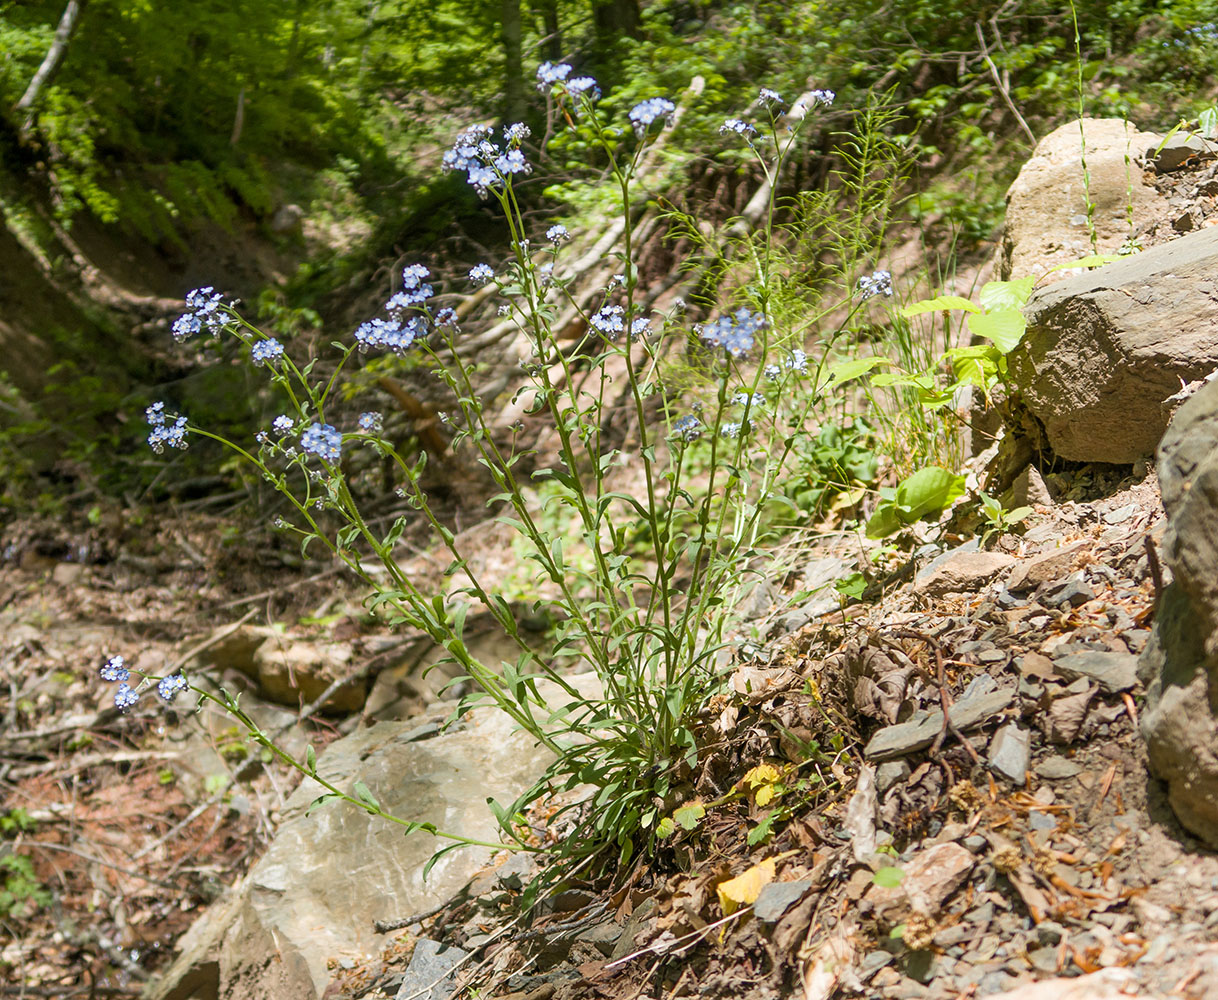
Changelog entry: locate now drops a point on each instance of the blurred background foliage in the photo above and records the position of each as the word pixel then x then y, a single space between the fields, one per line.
pixel 194 136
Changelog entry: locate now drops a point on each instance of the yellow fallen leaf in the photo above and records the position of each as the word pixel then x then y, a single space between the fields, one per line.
pixel 761 781
pixel 744 889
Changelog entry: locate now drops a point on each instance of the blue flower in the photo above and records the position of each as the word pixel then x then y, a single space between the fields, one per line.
pixel 735 334
pixel 481 178
pixel 446 317
pixel 480 274
pixel 282 424
pixel 322 440
pixel 772 372
pixel 730 430
pixel 408 297
pixel 768 97
pixel 639 327
pixel 825 97
pixel 125 698
pixel 549 73
pixel 557 232
pixel 688 428
pixel 739 127
pixel 646 112
pixel 516 133
pixel 155 414
pixel 512 162
pixel 114 670
pixel 608 320
pixel 584 85
pixel 370 422
pixel 798 362
pixel 413 275
pixel 170 687
pixel 393 334
pixel 205 312
pixel 173 435
pixel 878 283
pixel 749 399
pixel 266 350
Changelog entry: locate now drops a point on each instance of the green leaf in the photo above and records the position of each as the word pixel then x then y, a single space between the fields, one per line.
pixel 1006 294
pixel 852 585
pixel 888 878
pixel 846 371
pixel 364 795
pixel 763 829
pixel 1097 260
pixel 938 304
pixel 666 828
pixel 310 759
pixel 927 491
pixel 1004 327
pixel 689 815
pixel 884 521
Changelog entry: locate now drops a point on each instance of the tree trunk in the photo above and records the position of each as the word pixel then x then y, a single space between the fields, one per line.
pixel 513 60
pixel 55 54
pixel 612 19
pixel 551 29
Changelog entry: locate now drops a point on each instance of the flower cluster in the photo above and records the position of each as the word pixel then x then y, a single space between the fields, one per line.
pixel 266 351
pixel 688 428
pixel 742 128
pixel 825 97
pixel 647 112
pixel 282 424
pixel 370 422
pixel 557 233
pixel 165 432
pixel 879 283
pixel 125 697
pixel 768 97
pixel 608 320
pixel 480 274
pixel 550 75
pixel 415 291
pixel 735 334
pixel 322 440
pixel 486 163
pixel 205 313
pixel 392 334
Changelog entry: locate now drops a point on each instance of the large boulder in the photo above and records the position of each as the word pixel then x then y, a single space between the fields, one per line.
pixel 1046 222
pixel 1105 349
pixel 327 876
pixel 1180 664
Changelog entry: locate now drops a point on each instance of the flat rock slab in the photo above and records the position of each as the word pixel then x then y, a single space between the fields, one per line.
pixel 1047 566
pixel 917 734
pixel 958 572
pixel 430 973
pixel 777 897
pixel 1011 752
pixel 1105 349
pixel 1114 672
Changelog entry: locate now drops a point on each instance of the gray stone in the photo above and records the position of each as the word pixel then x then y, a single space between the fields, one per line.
pixel 889 773
pixel 917 734
pixel 1114 672
pixel 1010 752
pixel 429 975
pixel 1057 768
pixel 975 842
pixel 1044 959
pixel 1075 591
pixel 1181 658
pixel 1103 350
pixel 1176 149
pixel 1038 820
pixel 776 898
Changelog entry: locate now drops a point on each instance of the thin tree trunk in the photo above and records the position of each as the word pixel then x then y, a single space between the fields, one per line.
pixel 552 29
pixel 55 54
pixel 513 84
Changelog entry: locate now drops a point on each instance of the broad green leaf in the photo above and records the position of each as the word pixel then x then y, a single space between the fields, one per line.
pixel 852 585
pixel 927 491
pixel 1006 294
pixel 1207 122
pixel 888 878
pixel 849 370
pixel 365 796
pixel 689 814
pixel 665 828
pixel 884 521
pixel 1004 327
pixel 938 304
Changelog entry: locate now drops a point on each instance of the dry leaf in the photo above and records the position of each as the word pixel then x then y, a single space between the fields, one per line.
pixel 744 889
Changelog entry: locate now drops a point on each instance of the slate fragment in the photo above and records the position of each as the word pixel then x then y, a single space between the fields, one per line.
pixel 919 733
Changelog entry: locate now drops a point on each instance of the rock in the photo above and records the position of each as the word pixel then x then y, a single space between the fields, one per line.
pixel 1177 149
pixel 429 975
pixel 1181 658
pixel 958 572
pixel 329 874
pixel 1104 349
pixel 1044 204
pixel 930 878
pixel 1050 565
pixel 889 773
pixel 1107 984
pixel 1029 489
pixel 1010 752
pixel 919 733
pixel 776 898
pixel 1056 768
pixel 1114 672
pixel 1074 591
